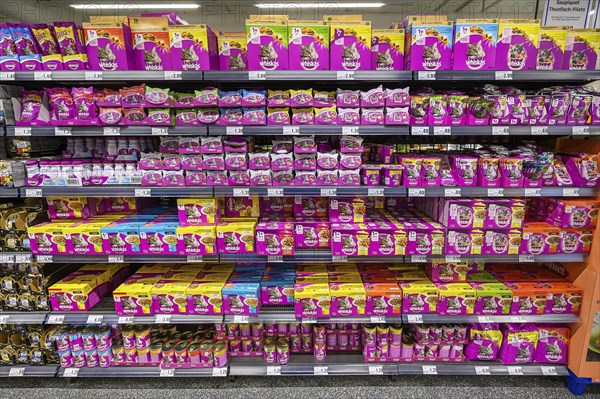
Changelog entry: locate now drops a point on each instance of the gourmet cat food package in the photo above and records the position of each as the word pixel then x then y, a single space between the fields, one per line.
pixel 108 44
pixel 233 53
pixel 308 45
pixel 350 43
pixel 551 48
pixel 475 44
pixel 387 49
pixel 581 51
pixel 193 48
pixel 151 44
pixel 517 44
pixel 267 44
pixel 428 43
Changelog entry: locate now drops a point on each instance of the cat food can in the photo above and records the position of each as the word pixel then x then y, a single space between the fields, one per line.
pixel 319 334
pixel 257 329
pixel 194 352
pixel 175 337
pixel 331 326
pixel 131 355
pixel 258 346
pixel 66 358
pixel 233 330
pixel 181 355
pixel 162 336
pixel 369 333
pixel 394 350
pixel 294 327
pixel 447 332
pixel 129 341
pixel 435 332
pixel 220 329
pixel 235 345
pixel 383 333
pixel 270 351
pixel 460 332
pixel 307 328
pixel 187 336
pixel 89 339
pixel 354 340
pixel 115 331
pixel 307 343
pixel 332 339
pixel 220 353
pixel 79 359
pixel 407 346
pixel 343 340
pixel 457 351
pixel 142 336
pixel 246 345
pixel 396 334
pixel 62 340
pixel 103 337
pixel 354 326
pixel 206 353
pixel 444 350
pixel 168 353
pixel 245 330
pixel 282 328
pixel 423 332
pixel 383 350
pixel 91 358
pixel 283 351
pixel 209 336
pixel 105 358
pixel 156 351
pixel 343 326
pixel 377 351
pixel 295 344
pixel 143 356
pixel 418 350
pixel 75 339
pixel 270 328
pixel 118 352
pixel 320 352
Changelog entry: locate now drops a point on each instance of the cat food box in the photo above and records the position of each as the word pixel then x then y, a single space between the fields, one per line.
pixel 528 298
pixel 233 53
pixel 48 238
pixel 464 242
pixel 428 44
pixel 193 48
pixel 312 299
pixel 350 239
pixel 455 299
pixel 575 241
pixel 504 214
pixel 236 237
pixel 551 48
pixel 241 298
pixel 151 43
pixel 308 45
pixel 425 238
pixel 502 242
pixel 475 44
pixel 581 49
pixel 274 238
pixel 540 238
pixel 347 299
pixel 387 238
pixel 242 207
pixel 277 289
pixel 84 238
pixel 108 44
pixel 204 297
pixel 462 213
pixel 351 210
pixel 312 233
pixel 72 208
pixel 419 297
pixel 196 211
pixel 169 295
pixel 122 237
pixel 267 44
pixel 278 205
pixel 562 298
pixel 387 49
pixel 383 299
pixel 134 296
pixel 572 213
pixel 310 207
pixel 447 272
pixel 195 240
pixel 517 44
pixel 492 298
pixel 349 43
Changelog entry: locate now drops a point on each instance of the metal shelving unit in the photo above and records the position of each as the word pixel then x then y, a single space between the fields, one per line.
pixel 116 191
pixel 285 314
pixel 502 192
pixel 141 258
pixel 313 76
pixel 487 130
pixel 439 319
pixel 311 191
pixel 507 76
pixel 100 76
pixel 9 192
pixel 481 368
pixel 59 131
pixel 317 130
pixel 22 317
pixel 28 371
pixel 140 371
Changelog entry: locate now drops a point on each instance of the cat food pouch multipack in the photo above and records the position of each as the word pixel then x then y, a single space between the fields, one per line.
pixel 46 41
pixel 71 46
pixel 475 44
pixel 193 48
pixel 30 58
pixel 9 60
pixel 517 44
pixel 349 43
pixel 581 50
pixel 387 49
pixel 267 44
pixel 233 54
pixel 308 45
pixel 151 44
pixel 551 48
pixel 108 44
pixel 428 44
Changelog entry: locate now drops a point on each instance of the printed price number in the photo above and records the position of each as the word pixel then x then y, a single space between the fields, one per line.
pixel 125 320
pixel 328 192
pixel 515 370
pixel 580 130
pixel 44 258
pixel 43 75
pixel 375 192
pixel 16 372
pixel 309 320
pixel 22 131
pixel 375 370
pixel 350 130
pixel 321 370
pixel 163 319
pixel 273 370
pixel 482 370
pixel 56 319
pixel 419 130
pixel 504 75
pixel 33 192
pixel 116 259
pixel 500 130
pixel 111 131
pixel 234 130
pixel 275 192
pixel 539 130
pixel 167 372
pixel 453 258
pixel 429 370
pixel 257 75
pixel 241 192
pixel 95 319
pixel 526 258
pixel 219 372
pixel 418 258
pixel 570 192
pixel 426 75
pixel 291 130
pixel 160 131
pixel 415 318
pixel 142 192
pixel 194 258
pixel 495 192
pixel 345 75
pixel 452 192
pixel 93 75
pixel 173 75
pixel 71 372
pixel 7 258
pixel 241 319
pixel 4 318
pixel 442 131
pixel 533 192
pixel 517 319
pixel 377 319
pixel 63 131
pixel 416 192
pixel 7 76
pixel 485 319
pixel 549 370
pixel 23 258
pixel 339 259
pixel 275 259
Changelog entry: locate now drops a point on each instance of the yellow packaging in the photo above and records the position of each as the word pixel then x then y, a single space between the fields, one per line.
pixel 154 269
pixel 388 46
pixel 204 297
pixel 170 296
pixel 312 299
pixel 236 237
pixel 240 207
pixel 419 297
pixel 195 211
pixel 188 42
pixel 344 278
pixel 314 268
pixel 186 268
pixel 517 44
pixel 196 240
pixel 312 278
pixel 179 276
pixel 342 268
pixel 212 277
pixel 85 237
pixel 581 50
pixel 219 267
pixel 347 299
pixel 134 296
pixel 48 238
pixel 455 299
pixel 551 47
pixel 233 46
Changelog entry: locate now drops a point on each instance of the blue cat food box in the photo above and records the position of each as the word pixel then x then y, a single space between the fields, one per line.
pixel 241 298
pixel 277 289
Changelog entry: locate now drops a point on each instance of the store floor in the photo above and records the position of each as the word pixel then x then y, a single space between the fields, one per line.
pixel 455 387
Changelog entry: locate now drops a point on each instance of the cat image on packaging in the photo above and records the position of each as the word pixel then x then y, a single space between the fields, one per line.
pixel 475 44
pixel 267 44
pixel 349 43
pixel 233 55
pixel 581 50
pixel 193 48
pixel 428 44
pixel 517 44
pixel 551 48
pixel 108 44
pixel 308 45
pixel 387 49
pixel 151 44
pixel 67 36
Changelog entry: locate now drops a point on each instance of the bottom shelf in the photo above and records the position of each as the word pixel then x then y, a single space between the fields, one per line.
pixel 28 371
pixel 140 371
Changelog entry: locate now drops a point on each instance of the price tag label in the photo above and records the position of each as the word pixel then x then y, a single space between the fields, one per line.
pixel 570 192
pixel 345 75
pixel 125 320
pixel 111 130
pixel 42 75
pixel 482 370
pixel 517 319
pixel 63 131
pixel 375 192
pixel 580 130
pixel 71 372
pixel 291 130
pixel 533 192
pixel 257 75
pixel 485 319
pixel 504 75
pixel 500 130
pixel 7 76
pixel 7 258
pixel 194 258
pixel 429 369
pixel 22 131
pixel 442 131
pixel 160 131
pixel 274 192
pixel 16 372
pixel 44 258
pixel 375 370
pixel 116 259
pixel 55 319
pixel 452 192
pixel 142 192
pixel 419 130
pixel 415 318
pixel 275 259
pixel 4 318
pixel 549 370
pixel 93 75
pixel 241 319
pixel 328 192
pixel 309 320
pixel 163 319
pixel 95 319
pixel 453 258
pixel 273 370
pixel 241 192
pixel 418 258
pixel 173 75
pixel 339 259
pixel 219 372
pixel 416 192
pixel 377 319
pixel 539 130
pixel 234 130
pixel 350 130
pixel 426 75
pixel 22 258
pixel 167 372
pixel 33 192
pixel 515 370
pixel 495 192
pixel 526 258
pixel 321 370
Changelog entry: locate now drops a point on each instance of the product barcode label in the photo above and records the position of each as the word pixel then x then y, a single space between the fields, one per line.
pixel 375 370
pixel 429 369
pixel 419 130
pixel 111 130
pixel 241 192
pixel 375 192
pixel 7 258
pixel 136 180
pixel 533 192
pixel 442 131
pixel 275 192
pixel 291 130
pixel 452 192
pixel 415 318
pixel 485 319
pixel 549 370
pixel 580 130
pixel 350 130
pixel 56 319
pixel 22 131
pixel 517 319
pixel 309 320
pixel 453 258
pixel 495 192
pixel 273 370
pixel 526 258
pixel 500 130
pixel 43 75
pixel 33 192
pixel 73 182
pixel 426 75
pixel 95 319
pixel 160 131
pixel 62 131
pixel 482 370
pixel 570 192
pixel 416 192
pixel 125 320
pixel 93 75
pixel 257 75
pixel 321 370
pixel 194 258
pixel 116 259
pixel 7 76
pixel 173 75
pixel 377 319
pixel 274 259
pixel 163 319
pixel 167 372
pixel 22 258
pixel 418 258
pixel 539 130
pixel 219 372
pixel 4 318
pixel 44 258
pixel 515 370
pixel 241 319
pixel 504 75
pixel 16 372
pixel 142 192
pixel 345 75
pixel 71 372
pixel 339 259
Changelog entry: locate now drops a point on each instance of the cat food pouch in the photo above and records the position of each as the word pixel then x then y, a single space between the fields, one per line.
pixel 27 49
pixel 348 116
pixel 500 112
pixel 182 100
pixel 579 109
pixel 511 172
pixel 133 96
pixel 348 98
pixel 488 172
pixel 536 112
pixel 9 60
pixel 107 98
pixel 301 98
pixel 193 47
pixel 278 116
pixel 233 55
pixel 186 117
pixel 387 49
pixel 188 146
pixel 303 116
pixel 260 178
pixel 519 343
pixel 108 44
pixel 31 104
pixel 254 116
pixel 517 44
pixel 419 109
pixel 259 161
pixel 230 98
pixel 70 45
pixel 478 110
pixel 110 115
pixel 61 103
pixel 208 115
pixel 551 48
pixel 581 50
pixel 46 43
pixel 412 176
pixel 323 98
pixel 372 98
pixel 428 44
pixel 516 108
pixel 283 146
pixel 278 98
pixel 155 97
pixel 349 43
pixel 151 43
pixel 397 116
pixel 464 169
pixel 308 45
pixel 207 97
pixel 457 109
pixel 553 344
pixel 475 44
pixel 267 44
pixel 438 110
pixel 159 116
pixel 397 97
pixel 231 116
pixel 326 116
pixel 372 116
pixel 328 160
pixel 254 98
pixel 83 97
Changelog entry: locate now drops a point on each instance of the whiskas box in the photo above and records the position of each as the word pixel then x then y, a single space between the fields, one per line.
pixel 475 44
pixel 517 44
pixel 425 238
pixel 310 207
pixel 350 239
pixel 387 238
pixel 122 237
pixel 563 297
pixel 308 45
pixel 502 242
pixel 572 213
pixel 383 299
pixel 463 213
pixel 455 299
pixel 540 238
pixel 312 300
pixel 151 43
pixel 492 298
pixel 48 238
pixel 428 44
pixel 528 298
pixel 241 298
pixel 575 241
pixel 196 211
pixel 84 238
pixel 419 297
pixel 447 272
pixel 551 48
pixel 349 43
pixel 277 289
pixel 242 207
pixel 193 47
pixel 108 44
pixel 233 55
pixel 347 299
pixel 467 242
pixel 581 51
pixel 169 296
pixel 204 298
pixel 235 237
pixel 267 44
pixel 274 238
pixel 196 240
pixel 350 210
pixel 504 214
pixel 387 49
pixel 312 233
pixel 134 296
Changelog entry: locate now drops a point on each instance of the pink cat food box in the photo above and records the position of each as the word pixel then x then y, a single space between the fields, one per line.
pixel 311 207
pixel 204 297
pixel 447 272
pixel 108 43
pixel 278 205
pixel 349 43
pixel 350 239
pixel 134 296
pixel 572 213
pixel 387 238
pixel 551 48
pixel 241 298
pixel 455 299
pixel 464 242
pixel 562 298
pixel 347 299
pixel 462 213
pixel 236 237
pixel 517 44
pixel 419 297
pixel 198 211
pixel 312 299
pixel 492 298
pixel 193 47
pixel 274 238
pixel 312 233
pixel 581 50
pixel 383 299
pixel 151 43
pixel 122 238
pixel 575 241
pixel 475 44
pixel 428 44
pixel 308 45
pixel 387 49
pixel 504 214
pixel 540 238
pixel 350 210
pixel 233 55
pixel 424 238
pixel 267 44
pixel 502 242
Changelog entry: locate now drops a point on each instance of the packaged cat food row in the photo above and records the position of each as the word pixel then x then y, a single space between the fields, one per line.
pixel 27 345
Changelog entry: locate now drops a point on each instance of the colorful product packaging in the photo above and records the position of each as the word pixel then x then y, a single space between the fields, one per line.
pixel 581 50
pixel 308 45
pixel 108 43
pixel 151 43
pixel 193 47
pixel 475 44
pixel 267 42
pixel 428 43
pixel 551 48
pixel 312 299
pixel 349 43
pixel 517 44
pixel 387 49
pixel 233 54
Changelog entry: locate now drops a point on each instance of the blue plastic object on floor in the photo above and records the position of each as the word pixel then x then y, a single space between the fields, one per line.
pixel 577 385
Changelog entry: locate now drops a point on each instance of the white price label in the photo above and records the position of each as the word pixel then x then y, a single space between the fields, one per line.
pixel 167 372
pixel 71 372
pixel 241 192
pixel 163 319
pixel 419 130
pixel 533 192
pixel 375 192
pixel 345 75
pixel 549 370
pixel 442 131
pixel 273 370
pixel 22 131
pixel 116 259
pixel 33 192
pixel 4 318
pixel 7 258
pixel 291 130
pixel 95 319
pixel 173 75
pixel 539 130
pixel 275 259
pixel 495 192
pixel 482 370
pixel 339 259
pixel 452 192
pixel 160 131
pixel 416 192
pixel 16 372
pixel 274 192
pixel 375 370
pixel 570 192
pixel 241 318
pixel 7 76
pixel 485 319
pixel 125 320
pixel 43 75
pixel 504 75
pixel 55 319
pixel 321 370
pixel 194 258
pixel 526 258
pixel 22 258
pixel 219 372
pixel 580 130
pixel 377 319
pixel 418 258
pixel 517 319
pixel 93 75
pixel 309 320
pixel 500 130
pixel 429 369
pixel 63 131
pixel 350 130
pixel 111 130
pixel 142 192
pixel 257 75
pixel 426 75
pixel 328 192
pixel 415 318
pixel 44 258
pixel 515 370
pixel 453 258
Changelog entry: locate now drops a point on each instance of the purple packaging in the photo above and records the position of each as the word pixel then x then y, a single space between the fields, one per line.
pixel 349 177
pixel 581 50
pixel 517 44
pixel 392 175
pixel 193 48
pixel 482 349
pixel 232 52
pixel 387 49
pixel 455 299
pixel 283 178
pixel 278 116
pixel 241 298
pixel 327 177
pixel 305 145
pixel 208 97
pixel 254 98
pixel 464 242
pixel 301 98
pixel 519 343
pixel 397 97
pixel 274 238
pixel 254 116
pixel 579 109
pixel 425 238
pixel 350 46
pixel 277 289
pixel 46 43
pixel 230 98
pixel 438 110
pixel 502 242
pixel 348 116
pixel 278 98
pixel 231 117
pixel 551 46
pixel 397 116
pixel 419 297
pixel 428 46
pixel 148 34
pixel 464 169
pixel 475 44
pixel 108 44
pixel 121 237
pixel 260 178
pixel 349 239
pixel 9 60
pixel 488 172
pixel 323 98
pixel 303 116
pixel 348 98
pixel 267 45
pixel 419 110
pixel 208 115
pixel 312 233
pixel 305 178
pixel 558 108
pixel 553 344
pixel 500 112
pixel 462 213
pixel 457 109
pixel 478 111
pixel 511 172
pixel 239 178
pixel 412 166
pixel 372 98
pixel 307 49
pixel 30 58
pixel 326 116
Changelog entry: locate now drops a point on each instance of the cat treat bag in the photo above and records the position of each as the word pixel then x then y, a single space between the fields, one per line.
pixel 233 53
pixel 9 60
pixel 193 48
pixel 475 44
pixel 71 47
pixel 581 51
pixel 267 44
pixel 151 44
pixel 308 45
pixel 517 44
pixel 553 344
pixel 520 341
pixel 108 44
pixel 26 46
pixel 349 43
pixel 551 48
pixel 51 56
pixel 387 49
pixel 428 44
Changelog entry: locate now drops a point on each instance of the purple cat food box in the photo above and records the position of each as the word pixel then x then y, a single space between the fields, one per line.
pixel 241 298
pixel 312 299
pixel 274 238
pixel 312 233
pixel 267 45
pixel 492 298
pixel 349 43
pixel 425 238
pixel 464 242
pixel 517 44
pixel 350 239
pixel 419 297
pixel 233 55
pixel 455 299
pixel 475 44
pixel 428 45
pixel 387 49
pixel 277 289
pixel 551 48
pixel 581 50
pixel 387 238
pixel 108 44
pixel 462 213
pixel 121 238
pixel 149 34
pixel 540 238
pixel 502 242
pixel 159 238
pixel 193 48
pixel 504 214
pixel 347 299
pixel 308 45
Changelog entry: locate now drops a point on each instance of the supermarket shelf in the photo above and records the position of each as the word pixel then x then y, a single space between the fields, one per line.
pixel 100 76
pixel 125 258
pixel 494 258
pixel 501 192
pixel 435 318
pixel 22 317
pixel 138 371
pixel 308 129
pixel 106 131
pixel 437 131
pixel 481 368
pixel 285 314
pixel 305 364
pixel 117 191
pixel 28 371
pixel 9 192
pixel 15 257
pixel 508 76
pixel 323 191
pixel 314 76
